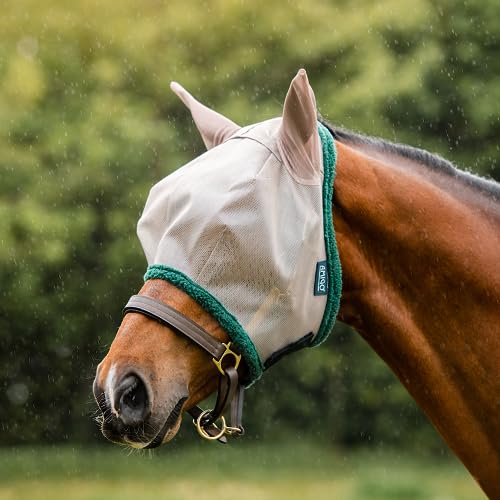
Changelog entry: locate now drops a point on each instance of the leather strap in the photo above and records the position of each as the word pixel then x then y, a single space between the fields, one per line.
pixel 228 385
pixel 237 410
pixel 169 316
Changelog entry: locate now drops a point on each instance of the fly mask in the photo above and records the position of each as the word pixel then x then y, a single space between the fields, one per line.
pixel 246 229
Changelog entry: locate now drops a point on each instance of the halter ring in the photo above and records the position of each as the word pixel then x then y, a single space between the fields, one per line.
pixel 204 434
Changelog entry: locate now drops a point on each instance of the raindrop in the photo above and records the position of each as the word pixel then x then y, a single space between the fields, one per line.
pixel 63 351
pixel 18 394
pixel 28 47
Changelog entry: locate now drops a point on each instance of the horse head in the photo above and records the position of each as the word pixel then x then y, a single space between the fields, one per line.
pixel 233 241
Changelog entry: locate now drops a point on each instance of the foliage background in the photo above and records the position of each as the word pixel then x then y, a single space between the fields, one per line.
pixel 88 125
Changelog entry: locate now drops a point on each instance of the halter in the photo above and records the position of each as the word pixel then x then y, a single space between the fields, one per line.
pixel 230 391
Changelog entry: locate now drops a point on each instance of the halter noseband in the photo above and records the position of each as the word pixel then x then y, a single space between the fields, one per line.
pixel 230 390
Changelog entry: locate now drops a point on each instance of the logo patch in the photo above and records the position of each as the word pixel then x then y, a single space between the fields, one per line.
pixel 321 278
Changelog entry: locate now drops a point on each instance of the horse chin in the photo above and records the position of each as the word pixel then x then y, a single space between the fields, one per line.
pixel 172 431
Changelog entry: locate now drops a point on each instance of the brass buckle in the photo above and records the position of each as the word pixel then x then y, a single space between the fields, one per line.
pixel 228 351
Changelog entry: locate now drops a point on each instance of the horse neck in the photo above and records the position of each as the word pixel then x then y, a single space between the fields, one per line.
pixel 422 286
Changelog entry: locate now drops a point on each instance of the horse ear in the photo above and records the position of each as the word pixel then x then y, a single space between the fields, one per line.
pixel 213 127
pixel 298 138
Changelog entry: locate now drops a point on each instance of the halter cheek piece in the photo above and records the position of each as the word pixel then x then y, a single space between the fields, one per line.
pixel 230 390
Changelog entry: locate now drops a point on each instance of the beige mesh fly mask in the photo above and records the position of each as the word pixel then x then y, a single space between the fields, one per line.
pixel 249 235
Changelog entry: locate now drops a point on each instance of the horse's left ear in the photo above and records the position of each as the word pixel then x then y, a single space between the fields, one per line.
pixel 298 139
pixel 213 127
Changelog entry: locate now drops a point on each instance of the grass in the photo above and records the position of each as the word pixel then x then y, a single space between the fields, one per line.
pixel 240 471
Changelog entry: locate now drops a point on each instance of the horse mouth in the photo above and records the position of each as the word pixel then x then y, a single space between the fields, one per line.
pixel 145 435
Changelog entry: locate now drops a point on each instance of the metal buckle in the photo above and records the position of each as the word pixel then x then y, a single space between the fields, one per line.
pixel 228 351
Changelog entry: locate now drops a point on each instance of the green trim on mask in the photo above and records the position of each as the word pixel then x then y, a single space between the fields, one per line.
pixel 332 254
pixel 226 320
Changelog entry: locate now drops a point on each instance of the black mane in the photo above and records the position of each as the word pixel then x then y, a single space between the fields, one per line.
pixel 432 161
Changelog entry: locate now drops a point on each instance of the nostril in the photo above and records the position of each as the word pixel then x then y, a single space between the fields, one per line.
pixel 131 400
pixel 135 397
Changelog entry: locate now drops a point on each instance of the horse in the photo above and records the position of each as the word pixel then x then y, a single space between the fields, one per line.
pixel 418 242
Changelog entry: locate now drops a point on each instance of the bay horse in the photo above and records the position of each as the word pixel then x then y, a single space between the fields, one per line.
pixel 419 246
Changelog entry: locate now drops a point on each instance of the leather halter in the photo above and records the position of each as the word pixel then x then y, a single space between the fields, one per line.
pixel 230 390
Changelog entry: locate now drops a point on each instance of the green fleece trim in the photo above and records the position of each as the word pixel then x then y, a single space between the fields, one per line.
pixel 226 320
pixel 332 254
